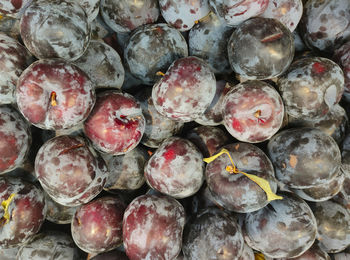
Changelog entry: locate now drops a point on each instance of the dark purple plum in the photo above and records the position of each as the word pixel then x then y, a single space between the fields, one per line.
pixel 111 255
pixel 288 12
pixel 55 94
pixel 152 228
pixel 208 139
pixel 252 111
pixel 234 12
pixel 55 29
pixel 212 116
pixel 116 123
pixel 173 95
pixel 208 40
pixel 97 226
pixel 304 157
pixel 152 48
pixel 176 168
pixel 126 172
pixel 158 127
pixel 333 226
pixel 284 228
pixel 325 24
pixel 69 170
pixel 342 58
pixel 49 245
pixel 15 139
pixel 335 123
pixel 14 59
pixel 261 48
pixel 22 212
pixel 214 234
pixel 236 192
pixel 183 14
pixel 103 65
pixel 311 87
pixel 125 15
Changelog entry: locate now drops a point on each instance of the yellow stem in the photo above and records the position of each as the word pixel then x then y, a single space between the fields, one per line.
pixel 264 184
pixel 6 204
pixel 259 256
pixel 159 73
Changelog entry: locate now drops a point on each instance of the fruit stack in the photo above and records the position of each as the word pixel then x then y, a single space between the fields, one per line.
pixel 174 129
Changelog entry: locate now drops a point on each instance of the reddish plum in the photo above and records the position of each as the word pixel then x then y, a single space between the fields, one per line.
pixel 69 170
pixel 15 139
pixel 23 211
pixel 97 226
pixel 103 65
pixel 176 168
pixel 208 139
pixel 304 157
pixel 288 12
pixel 116 123
pixel 213 234
pixel 14 58
pixel 55 29
pixel 173 95
pixel 182 14
pixel 152 228
pixel 261 48
pixel 252 111
pixel 152 48
pixel 55 94
pixel 237 192
pixel 235 12
pixel 158 127
pixel 125 15
pixel 311 87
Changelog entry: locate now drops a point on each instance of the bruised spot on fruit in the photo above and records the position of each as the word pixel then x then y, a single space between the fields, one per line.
pixel 272 37
pixel 318 68
pixel 293 161
pixel 237 125
pixel 169 155
pixel 71 148
pixel 6 204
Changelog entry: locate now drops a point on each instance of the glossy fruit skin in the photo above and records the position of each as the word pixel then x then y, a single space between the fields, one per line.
pixel 152 228
pixel 325 24
pixel 173 94
pixel 74 94
pixel 15 139
pixel 67 19
pixel 311 87
pixel 15 58
pixel 235 192
pixel 285 228
pixel 304 157
pixel 124 15
pixel 333 222
pixel 182 14
pixel 27 211
pixel 69 170
pixel 260 48
pixel 241 105
pixel 176 168
pixel 97 226
pixel 153 48
pixel 48 245
pixel 103 65
pixel 214 234
pixel 116 123
pixel 234 12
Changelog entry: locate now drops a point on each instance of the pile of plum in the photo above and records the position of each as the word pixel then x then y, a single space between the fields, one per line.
pixel 174 129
